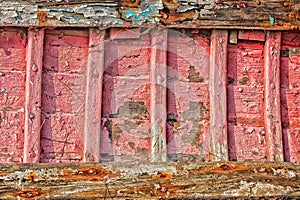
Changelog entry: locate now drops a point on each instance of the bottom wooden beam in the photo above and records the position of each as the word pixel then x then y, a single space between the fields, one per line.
pixel 150 181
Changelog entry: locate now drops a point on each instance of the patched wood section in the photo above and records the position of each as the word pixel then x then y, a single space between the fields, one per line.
pixel 33 97
pixel 259 14
pixel 155 181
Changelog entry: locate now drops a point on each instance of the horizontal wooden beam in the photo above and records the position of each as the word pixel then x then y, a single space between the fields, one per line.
pixel 150 181
pixel 225 14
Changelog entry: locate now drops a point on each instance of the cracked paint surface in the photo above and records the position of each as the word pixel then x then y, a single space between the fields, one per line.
pixel 125 120
pixel 245 89
pixel 63 95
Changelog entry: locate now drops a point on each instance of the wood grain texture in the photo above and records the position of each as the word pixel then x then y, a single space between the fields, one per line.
pixel 218 96
pixel 158 80
pixel 95 68
pixel 248 14
pixel 150 181
pixel 32 129
pixel 272 96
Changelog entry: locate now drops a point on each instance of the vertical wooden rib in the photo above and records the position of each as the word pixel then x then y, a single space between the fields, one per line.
pixel 94 79
pixel 218 98
pixel 158 76
pixel 272 96
pixel 32 130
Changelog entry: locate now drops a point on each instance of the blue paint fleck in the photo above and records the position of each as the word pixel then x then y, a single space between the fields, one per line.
pixel 147 11
pixel 142 16
pixel 272 21
pixel 3 91
pixel 71 17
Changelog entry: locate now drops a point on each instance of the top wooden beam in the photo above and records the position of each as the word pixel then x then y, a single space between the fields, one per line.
pixel 225 14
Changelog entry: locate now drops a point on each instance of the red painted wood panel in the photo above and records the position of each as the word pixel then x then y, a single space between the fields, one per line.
pixel 188 104
pixel 173 87
pixel 245 96
pixel 126 134
pixel 12 94
pixel 34 66
pixel 63 95
pixel 290 98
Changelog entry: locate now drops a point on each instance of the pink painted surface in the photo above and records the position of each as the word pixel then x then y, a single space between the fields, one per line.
pixel 63 95
pixel 34 67
pixel 126 100
pixel 12 94
pixel 245 93
pixel 125 128
pixel 188 97
pixel 290 94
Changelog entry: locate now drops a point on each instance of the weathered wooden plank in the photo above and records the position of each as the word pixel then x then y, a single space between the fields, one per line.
pixel 33 125
pixel 155 181
pixel 248 14
pixel 272 96
pixel 218 98
pixel 94 80
pixel 158 81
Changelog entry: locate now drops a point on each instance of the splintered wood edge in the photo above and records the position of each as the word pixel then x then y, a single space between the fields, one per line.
pixel 150 180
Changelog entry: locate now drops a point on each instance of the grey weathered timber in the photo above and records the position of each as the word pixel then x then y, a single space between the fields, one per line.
pixel 228 14
pixel 150 181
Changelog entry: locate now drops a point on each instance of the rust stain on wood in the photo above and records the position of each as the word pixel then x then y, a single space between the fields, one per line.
pixel 30 193
pixel 91 173
pixel 212 180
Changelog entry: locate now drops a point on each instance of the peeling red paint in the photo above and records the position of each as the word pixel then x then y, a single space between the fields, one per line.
pixel 246 134
pixel 130 58
pixel 290 75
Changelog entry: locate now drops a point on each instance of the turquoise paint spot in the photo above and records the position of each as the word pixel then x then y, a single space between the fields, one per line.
pixel 130 13
pixel 272 21
pixel 147 12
